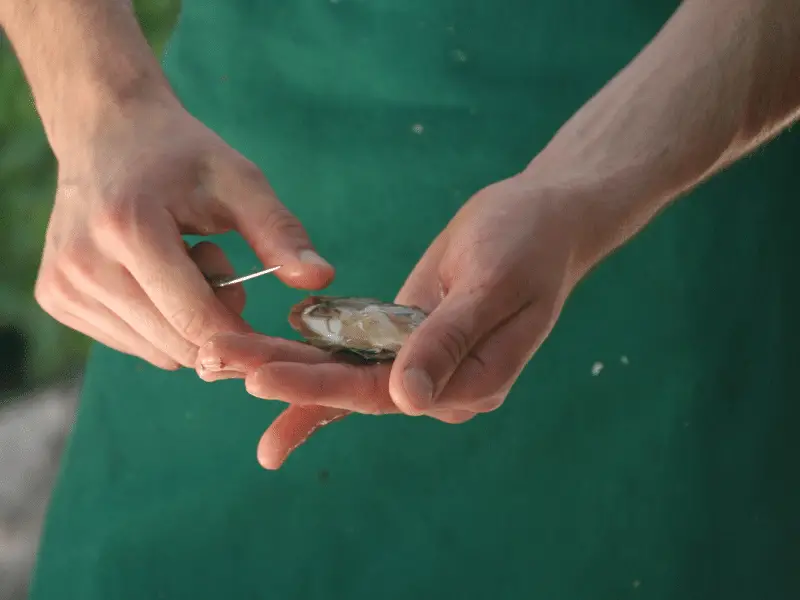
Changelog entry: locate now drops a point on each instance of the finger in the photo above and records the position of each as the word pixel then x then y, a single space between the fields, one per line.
pixel 210 376
pixel 433 352
pixel 96 334
pixel 424 287
pixel 360 389
pixel 484 377
pixel 291 429
pixel 143 351
pixel 357 388
pixel 114 287
pixel 272 231
pixel 100 324
pixel 452 417
pixel 174 284
pixel 74 308
pixel 212 262
pixel 239 354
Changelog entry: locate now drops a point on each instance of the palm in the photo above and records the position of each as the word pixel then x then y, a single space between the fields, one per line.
pixel 494 281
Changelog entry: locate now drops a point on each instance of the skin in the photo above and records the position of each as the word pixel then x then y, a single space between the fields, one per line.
pixel 717 81
pixel 136 171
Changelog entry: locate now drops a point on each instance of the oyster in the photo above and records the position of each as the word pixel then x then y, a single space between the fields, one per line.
pixel 369 328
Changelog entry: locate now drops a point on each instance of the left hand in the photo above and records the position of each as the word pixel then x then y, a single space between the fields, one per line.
pixel 494 282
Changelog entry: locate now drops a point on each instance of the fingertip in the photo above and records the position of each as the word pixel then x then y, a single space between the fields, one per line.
pixel 311 258
pixel 412 391
pixel 270 453
pixel 268 459
pixel 210 376
pixel 452 417
pixel 168 365
pixel 209 355
pixel 293 427
pixel 303 277
pixel 309 271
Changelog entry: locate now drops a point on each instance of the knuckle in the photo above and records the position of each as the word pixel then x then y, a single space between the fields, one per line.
pixel 43 292
pixel 160 360
pixel 475 363
pixel 113 221
pixel 77 260
pixel 263 383
pixel 374 408
pixel 250 173
pixel 186 357
pixel 167 364
pixel 214 348
pixel 475 381
pixel 178 351
pixel 54 293
pixel 280 221
pixel 488 403
pixel 541 315
pixel 190 323
pixel 219 347
pixel 454 342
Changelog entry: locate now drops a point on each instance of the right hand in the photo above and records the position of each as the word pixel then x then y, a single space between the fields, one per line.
pixel 115 266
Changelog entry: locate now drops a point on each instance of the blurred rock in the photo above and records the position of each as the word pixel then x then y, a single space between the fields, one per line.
pixel 33 429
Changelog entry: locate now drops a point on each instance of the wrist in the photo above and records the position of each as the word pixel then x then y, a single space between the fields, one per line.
pixel 85 61
pixel 75 109
pixel 598 212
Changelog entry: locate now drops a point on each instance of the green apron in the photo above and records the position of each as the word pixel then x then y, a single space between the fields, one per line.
pixel 649 449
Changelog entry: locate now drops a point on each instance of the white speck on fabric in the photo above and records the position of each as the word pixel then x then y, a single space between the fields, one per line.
pixel 596 368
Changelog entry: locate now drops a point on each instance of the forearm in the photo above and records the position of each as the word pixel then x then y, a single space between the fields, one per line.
pixel 719 79
pixel 82 58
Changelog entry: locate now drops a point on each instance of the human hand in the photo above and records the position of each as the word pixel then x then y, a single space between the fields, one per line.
pixel 115 266
pixel 494 280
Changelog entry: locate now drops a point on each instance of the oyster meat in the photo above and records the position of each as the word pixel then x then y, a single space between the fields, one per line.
pixel 369 328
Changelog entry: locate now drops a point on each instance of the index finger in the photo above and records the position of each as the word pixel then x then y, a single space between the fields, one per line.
pixel 175 285
pixel 357 388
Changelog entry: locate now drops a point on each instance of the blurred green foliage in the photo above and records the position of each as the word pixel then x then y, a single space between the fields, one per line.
pixel 27 185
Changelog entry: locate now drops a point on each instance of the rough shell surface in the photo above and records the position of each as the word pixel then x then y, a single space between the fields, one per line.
pixel 370 328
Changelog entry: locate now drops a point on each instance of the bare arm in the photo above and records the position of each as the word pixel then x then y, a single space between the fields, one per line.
pixel 135 172
pixel 82 58
pixel 721 78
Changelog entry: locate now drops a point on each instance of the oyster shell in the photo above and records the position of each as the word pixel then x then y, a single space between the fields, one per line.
pixel 369 328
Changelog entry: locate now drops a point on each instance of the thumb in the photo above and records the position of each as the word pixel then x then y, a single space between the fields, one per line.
pixel 434 351
pixel 277 236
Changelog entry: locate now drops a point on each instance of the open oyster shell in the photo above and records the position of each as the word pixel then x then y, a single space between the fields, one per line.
pixel 369 328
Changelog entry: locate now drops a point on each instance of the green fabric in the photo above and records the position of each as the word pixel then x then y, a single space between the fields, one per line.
pixel 670 473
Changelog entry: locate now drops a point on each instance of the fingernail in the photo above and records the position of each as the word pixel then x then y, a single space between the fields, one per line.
pixel 212 376
pixel 419 387
pixel 310 257
pixel 212 364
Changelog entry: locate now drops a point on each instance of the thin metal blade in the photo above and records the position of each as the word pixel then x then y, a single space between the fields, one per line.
pixel 218 282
